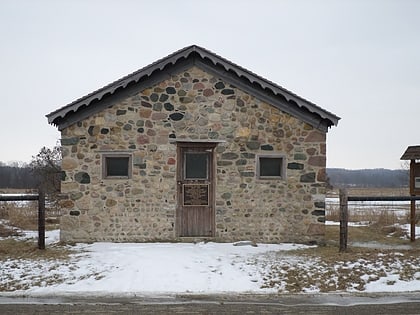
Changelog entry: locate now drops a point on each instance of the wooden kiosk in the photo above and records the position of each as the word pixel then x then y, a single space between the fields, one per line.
pixel 413 154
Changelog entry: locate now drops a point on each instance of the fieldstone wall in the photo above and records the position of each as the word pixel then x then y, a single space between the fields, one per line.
pixel 192 105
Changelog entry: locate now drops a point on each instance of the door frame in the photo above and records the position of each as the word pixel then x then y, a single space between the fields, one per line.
pixel 205 147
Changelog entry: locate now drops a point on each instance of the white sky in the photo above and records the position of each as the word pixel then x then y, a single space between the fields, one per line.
pixel 359 59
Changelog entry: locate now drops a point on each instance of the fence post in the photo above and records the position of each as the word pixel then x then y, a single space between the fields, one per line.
pixel 344 218
pixel 41 219
pixel 413 220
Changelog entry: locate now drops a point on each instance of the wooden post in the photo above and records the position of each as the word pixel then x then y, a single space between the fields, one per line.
pixel 413 220
pixel 41 219
pixel 413 202
pixel 344 218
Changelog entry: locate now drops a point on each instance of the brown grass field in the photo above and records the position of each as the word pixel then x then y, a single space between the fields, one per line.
pixel 384 191
pixel 24 216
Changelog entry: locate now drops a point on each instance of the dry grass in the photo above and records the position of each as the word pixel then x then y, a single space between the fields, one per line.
pixel 24 256
pixel 7 231
pixel 372 233
pixel 401 191
pixel 16 249
pixel 333 271
pixel 384 216
pixel 382 219
pixel 354 269
pixel 25 215
pixel 379 213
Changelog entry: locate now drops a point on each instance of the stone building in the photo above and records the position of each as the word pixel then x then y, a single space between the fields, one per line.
pixel 193 146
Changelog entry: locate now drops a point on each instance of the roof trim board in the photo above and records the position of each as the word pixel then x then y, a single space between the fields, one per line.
pixel 263 95
pixel 182 60
pixel 96 105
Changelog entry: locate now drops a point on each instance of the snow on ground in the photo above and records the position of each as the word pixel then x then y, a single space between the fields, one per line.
pixel 407 227
pixel 51 237
pixel 152 268
pixel 356 224
pixel 167 267
pixel 140 267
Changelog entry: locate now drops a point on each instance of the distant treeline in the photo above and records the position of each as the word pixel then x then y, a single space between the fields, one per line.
pixel 339 177
pixel 22 177
pixel 18 177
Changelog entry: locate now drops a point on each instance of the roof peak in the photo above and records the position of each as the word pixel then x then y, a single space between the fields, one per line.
pixel 209 61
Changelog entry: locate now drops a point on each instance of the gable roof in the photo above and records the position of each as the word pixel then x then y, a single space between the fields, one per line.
pixel 182 60
pixel 412 153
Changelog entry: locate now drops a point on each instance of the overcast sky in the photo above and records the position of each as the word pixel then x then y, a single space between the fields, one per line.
pixel 357 59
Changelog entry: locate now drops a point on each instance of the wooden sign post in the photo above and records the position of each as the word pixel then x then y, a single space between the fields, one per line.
pixel 413 153
pixel 414 191
pixel 41 219
pixel 344 220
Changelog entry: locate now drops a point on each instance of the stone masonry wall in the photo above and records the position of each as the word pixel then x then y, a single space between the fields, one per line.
pixel 192 105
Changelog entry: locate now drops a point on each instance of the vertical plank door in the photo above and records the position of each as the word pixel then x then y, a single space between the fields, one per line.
pixel 195 211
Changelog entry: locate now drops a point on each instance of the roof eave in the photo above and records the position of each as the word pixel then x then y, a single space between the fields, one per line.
pixel 58 116
pixel 412 153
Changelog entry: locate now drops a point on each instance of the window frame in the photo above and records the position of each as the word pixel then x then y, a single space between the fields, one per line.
pixel 273 156
pixel 107 156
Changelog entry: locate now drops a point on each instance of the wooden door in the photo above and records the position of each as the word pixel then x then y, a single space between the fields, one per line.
pixel 195 172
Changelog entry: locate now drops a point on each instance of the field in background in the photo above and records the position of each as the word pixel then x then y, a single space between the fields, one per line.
pixel 372 221
pixel 368 212
pixel 24 214
pixel 402 191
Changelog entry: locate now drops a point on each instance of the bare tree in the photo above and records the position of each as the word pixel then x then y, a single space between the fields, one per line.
pixel 46 166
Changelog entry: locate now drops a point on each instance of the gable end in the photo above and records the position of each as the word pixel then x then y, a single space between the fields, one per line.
pixel 181 60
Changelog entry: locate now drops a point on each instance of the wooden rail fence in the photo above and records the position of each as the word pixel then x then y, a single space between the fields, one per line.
pixel 40 197
pixel 344 216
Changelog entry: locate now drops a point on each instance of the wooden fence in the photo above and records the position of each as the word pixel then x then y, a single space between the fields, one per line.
pixel 40 197
pixel 344 217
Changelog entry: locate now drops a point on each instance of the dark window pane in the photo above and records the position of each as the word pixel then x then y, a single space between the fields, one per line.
pixel 196 165
pixel 117 166
pixel 270 166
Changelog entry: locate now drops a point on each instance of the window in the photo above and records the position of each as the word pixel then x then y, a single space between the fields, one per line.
pixel 116 166
pixel 196 165
pixel 271 166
